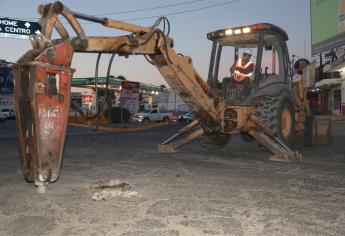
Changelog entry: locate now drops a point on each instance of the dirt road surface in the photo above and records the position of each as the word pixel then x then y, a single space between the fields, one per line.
pixel 200 191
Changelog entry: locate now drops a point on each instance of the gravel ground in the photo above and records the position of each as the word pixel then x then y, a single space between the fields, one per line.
pixel 232 191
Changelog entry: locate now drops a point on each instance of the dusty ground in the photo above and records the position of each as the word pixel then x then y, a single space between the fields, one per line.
pixel 234 191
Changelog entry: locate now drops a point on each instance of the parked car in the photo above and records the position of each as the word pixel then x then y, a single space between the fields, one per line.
pixel 8 112
pixel 188 117
pixel 3 117
pixel 153 114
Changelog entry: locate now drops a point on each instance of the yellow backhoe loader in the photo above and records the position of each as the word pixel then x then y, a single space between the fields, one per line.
pixel 272 112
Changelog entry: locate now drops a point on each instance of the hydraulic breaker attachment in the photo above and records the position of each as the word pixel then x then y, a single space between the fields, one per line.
pixel 42 96
pixel 172 147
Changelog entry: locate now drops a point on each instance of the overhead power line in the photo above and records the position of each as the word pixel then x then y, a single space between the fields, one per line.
pixel 149 8
pixel 184 11
pixel 127 11
pixel 156 16
pixel 177 12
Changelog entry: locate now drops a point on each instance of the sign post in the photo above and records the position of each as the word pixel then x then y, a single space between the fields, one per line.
pixel 10 28
pixel 129 96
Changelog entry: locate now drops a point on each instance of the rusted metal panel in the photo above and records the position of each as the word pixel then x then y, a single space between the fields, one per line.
pixel 42 94
pixel 323 130
pixel 59 55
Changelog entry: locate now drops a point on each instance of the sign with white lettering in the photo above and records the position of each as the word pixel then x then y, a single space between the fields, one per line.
pixel 130 96
pixel 10 28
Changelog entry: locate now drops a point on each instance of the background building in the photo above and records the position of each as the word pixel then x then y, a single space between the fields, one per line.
pixel 83 93
pixel 6 85
pixel 328 46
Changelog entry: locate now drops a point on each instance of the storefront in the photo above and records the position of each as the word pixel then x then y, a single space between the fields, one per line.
pixel 146 95
pixel 331 92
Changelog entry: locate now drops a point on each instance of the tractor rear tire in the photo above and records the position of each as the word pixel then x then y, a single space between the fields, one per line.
pixel 277 113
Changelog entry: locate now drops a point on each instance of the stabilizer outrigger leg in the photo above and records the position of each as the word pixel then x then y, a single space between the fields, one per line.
pixel 170 146
pixel 265 137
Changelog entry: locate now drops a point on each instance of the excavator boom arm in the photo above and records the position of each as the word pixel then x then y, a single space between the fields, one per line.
pixel 43 79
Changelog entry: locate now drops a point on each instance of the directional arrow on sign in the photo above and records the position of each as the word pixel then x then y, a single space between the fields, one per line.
pixel 13 28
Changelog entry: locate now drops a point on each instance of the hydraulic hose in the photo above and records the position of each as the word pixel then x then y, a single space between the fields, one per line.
pixel 96 90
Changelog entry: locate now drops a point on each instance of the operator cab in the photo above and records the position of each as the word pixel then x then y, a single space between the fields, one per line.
pixel 270 56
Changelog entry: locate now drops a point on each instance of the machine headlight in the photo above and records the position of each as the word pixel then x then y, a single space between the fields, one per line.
pixel 237 31
pixel 228 32
pixel 246 30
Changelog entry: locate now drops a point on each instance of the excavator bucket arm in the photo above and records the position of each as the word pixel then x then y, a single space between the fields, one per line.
pixel 43 80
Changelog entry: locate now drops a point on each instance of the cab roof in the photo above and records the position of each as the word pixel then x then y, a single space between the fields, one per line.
pixel 247 35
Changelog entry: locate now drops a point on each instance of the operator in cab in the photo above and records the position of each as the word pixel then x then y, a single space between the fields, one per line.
pixel 242 71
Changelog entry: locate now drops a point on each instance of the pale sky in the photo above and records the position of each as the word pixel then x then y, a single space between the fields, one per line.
pixel 187 29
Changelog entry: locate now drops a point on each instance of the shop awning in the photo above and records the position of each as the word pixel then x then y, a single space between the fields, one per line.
pixel 325 83
pixel 114 81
